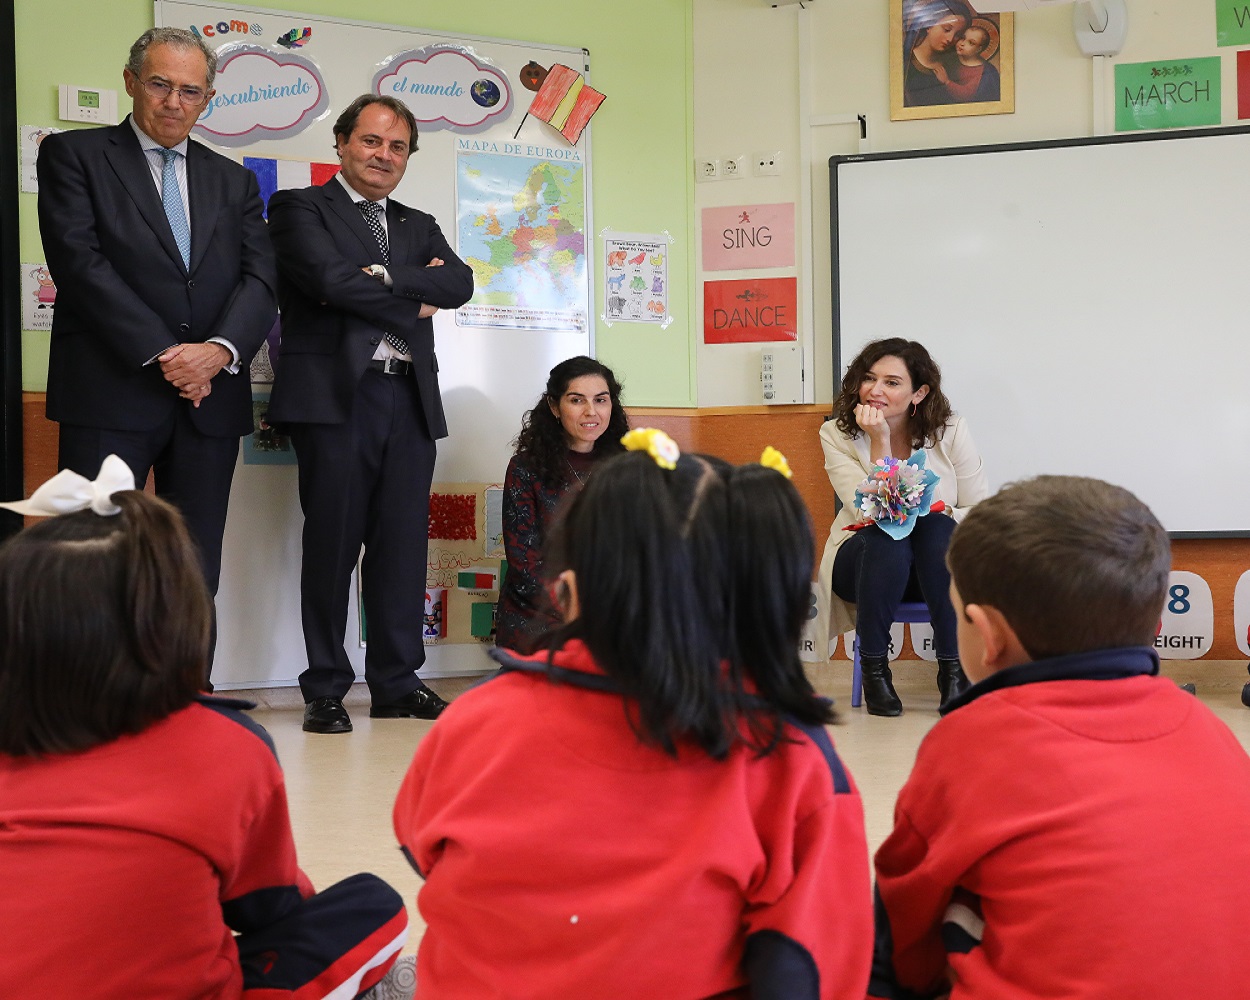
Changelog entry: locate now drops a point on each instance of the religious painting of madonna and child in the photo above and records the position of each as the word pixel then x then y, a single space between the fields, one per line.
pixel 948 60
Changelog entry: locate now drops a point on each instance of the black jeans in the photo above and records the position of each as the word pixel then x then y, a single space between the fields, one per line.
pixel 876 573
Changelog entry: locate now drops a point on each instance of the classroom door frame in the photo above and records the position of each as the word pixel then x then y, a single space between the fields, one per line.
pixel 11 478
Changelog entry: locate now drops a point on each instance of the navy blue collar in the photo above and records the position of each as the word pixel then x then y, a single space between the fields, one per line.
pixel 225 701
pixel 558 675
pixel 511 663
pixel 1096 665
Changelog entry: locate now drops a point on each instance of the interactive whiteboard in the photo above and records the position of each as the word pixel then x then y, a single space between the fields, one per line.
pixel 1086 301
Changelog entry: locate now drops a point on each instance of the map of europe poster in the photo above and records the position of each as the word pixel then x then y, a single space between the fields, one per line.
pixel 521 221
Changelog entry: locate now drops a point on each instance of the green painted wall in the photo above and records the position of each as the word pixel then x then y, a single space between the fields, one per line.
pixel 641 57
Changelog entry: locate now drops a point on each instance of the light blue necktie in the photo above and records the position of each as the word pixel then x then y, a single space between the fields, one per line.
pixel 171 198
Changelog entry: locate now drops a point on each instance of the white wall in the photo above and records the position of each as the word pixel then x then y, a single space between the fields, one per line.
pixel 747 97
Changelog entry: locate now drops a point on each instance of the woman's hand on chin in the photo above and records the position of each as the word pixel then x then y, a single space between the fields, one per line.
pixel 872 422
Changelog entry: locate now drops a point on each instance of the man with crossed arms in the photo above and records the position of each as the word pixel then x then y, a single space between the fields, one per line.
pixel 356 385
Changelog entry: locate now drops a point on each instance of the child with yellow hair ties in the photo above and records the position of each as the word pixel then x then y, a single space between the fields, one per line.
pixel 650 806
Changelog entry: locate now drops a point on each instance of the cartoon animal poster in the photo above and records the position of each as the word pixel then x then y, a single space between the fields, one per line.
pixel 635 279
pixel 38 297
pixel 31 137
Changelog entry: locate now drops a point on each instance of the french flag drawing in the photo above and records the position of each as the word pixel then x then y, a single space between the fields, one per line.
pixel 279 175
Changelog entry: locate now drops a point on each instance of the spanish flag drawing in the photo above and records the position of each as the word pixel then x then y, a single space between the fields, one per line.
pixel 565 101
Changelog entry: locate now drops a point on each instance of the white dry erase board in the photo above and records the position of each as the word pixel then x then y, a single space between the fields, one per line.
pixel 497 196
pixel 1085 299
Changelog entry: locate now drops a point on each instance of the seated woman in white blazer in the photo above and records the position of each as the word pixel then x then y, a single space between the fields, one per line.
pixel 891 404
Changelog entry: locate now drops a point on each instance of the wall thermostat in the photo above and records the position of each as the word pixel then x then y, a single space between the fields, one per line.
pixel 88 104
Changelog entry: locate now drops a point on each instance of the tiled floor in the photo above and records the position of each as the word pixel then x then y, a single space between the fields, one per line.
pixel 341 788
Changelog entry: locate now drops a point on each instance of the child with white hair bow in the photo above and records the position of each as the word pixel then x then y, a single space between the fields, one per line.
pixel 144 824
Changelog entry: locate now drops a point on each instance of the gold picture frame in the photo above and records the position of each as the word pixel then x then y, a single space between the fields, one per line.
pixel 946 60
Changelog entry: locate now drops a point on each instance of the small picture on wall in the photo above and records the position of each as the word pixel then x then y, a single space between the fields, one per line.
pixel 947 60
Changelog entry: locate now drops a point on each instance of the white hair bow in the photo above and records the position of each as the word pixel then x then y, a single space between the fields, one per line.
pixel 67 492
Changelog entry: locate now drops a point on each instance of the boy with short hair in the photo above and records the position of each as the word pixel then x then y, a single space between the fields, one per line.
pixel 1076 826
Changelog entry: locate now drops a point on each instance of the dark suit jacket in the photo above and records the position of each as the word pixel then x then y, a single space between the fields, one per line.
pixel 334 315
pixel 123 293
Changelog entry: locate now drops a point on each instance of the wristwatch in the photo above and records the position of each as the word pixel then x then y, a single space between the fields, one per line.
pixel 378 271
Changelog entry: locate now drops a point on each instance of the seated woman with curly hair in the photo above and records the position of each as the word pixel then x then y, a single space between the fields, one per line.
pixel 891 405
pixel 577 421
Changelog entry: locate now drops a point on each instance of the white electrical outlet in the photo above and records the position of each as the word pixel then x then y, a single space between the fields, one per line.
pixel 732 166
pixel 707 170
pixel 767 164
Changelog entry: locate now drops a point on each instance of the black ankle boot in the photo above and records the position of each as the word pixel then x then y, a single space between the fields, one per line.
pixel 878 686
pixel 951 680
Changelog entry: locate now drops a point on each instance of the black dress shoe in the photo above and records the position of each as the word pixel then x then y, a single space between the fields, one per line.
pixel 326 715
pixel 419 704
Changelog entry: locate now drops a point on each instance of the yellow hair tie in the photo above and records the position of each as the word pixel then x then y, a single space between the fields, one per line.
pixel 655 443
pixel 773 459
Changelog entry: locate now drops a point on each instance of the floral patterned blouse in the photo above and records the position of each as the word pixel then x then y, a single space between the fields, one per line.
pixel 530 507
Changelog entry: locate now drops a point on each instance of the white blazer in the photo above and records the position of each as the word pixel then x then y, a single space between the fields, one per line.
pixel 961 484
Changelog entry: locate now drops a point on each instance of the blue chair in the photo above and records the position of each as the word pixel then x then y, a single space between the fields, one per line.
pixel 908 611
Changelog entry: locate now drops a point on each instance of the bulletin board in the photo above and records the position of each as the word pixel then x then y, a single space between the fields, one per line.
pixel 512 195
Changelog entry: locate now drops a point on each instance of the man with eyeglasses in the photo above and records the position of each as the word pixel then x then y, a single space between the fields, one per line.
pixel 166 288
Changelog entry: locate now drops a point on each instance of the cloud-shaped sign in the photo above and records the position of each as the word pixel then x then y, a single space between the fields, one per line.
pixel 446 87
pixel 262 94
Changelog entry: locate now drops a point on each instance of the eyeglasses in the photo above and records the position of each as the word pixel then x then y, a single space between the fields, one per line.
pixel 190 96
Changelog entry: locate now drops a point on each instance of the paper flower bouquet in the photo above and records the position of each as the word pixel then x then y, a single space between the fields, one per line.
pixel 896 493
